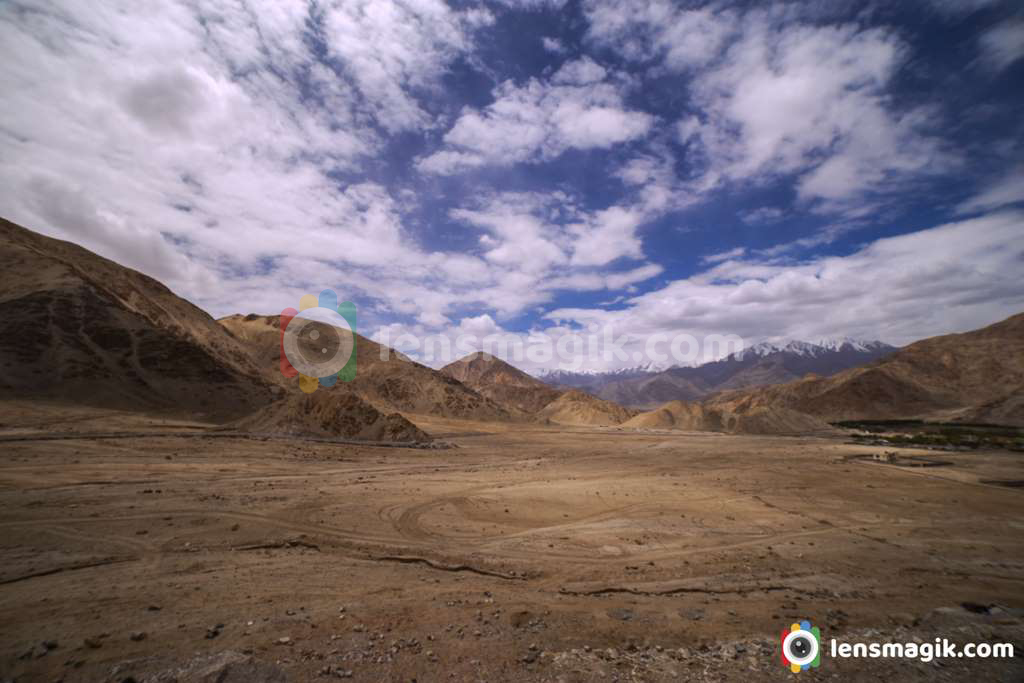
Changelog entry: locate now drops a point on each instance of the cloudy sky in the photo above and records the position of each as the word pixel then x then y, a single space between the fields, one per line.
pixel 770 170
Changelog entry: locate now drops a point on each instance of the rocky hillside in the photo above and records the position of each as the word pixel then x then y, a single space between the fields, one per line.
pixel 502 382
pixel 77 327
pixel 699 417
pixel 331 413
pixel 579 408
pixel 387 380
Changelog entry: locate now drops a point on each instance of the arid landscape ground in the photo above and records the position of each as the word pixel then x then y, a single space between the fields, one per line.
pixel 138 548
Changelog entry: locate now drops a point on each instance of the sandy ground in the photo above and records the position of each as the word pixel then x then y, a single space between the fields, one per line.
pixel 131 546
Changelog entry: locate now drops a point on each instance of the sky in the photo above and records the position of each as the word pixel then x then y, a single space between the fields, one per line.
pixel 771 170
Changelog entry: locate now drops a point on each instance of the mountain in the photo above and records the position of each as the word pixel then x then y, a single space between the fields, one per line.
pixel 975 376
pixel 700 417
pixel 331 413
pixel 387 380
pixel 761 364
pixel 501 382
pixel 592 380
pixel 77 327
pixel 575 407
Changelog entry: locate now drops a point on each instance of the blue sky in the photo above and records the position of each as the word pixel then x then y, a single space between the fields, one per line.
pixel 770 170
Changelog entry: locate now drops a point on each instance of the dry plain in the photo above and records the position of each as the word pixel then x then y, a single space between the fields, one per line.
pixel 137 547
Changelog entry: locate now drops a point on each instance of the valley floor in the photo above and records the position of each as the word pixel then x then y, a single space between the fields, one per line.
pixel 145 549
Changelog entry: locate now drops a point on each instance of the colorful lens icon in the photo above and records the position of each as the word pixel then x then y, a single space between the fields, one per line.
pixel 801 647
pixel 318 341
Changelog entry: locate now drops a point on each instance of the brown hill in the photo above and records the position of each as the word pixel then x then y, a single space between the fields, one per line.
pixel 1008 410
pixel 936 378
pixel 386 379
pixel 704 418
pixel 643 392
pixel 575 407
pixel 77 327
pixel 502 382
pixel 331 413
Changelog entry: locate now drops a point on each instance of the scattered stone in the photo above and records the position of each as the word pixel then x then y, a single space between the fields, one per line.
pixel 137 636
pixel 214 631
pixel 222 667
pixel 284 640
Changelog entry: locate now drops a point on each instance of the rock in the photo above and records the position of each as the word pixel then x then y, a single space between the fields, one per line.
pixel 93 643
pixel 221 667
pixel 137 636
pixel 284 640
pixel 620 613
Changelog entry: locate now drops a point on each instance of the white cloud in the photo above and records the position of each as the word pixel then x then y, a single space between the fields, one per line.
pixel 553 45
pixel 534 5
pixel 538 121
pixel 721 256
pixel 773 93
pixel 607 235
pixel 1005 191
pixel 582 71
pixel 954 277
pixel 645 30
pixel 392 49
pixel 1003 44
pixel 811 100
pixel 762 215
pixel 956 9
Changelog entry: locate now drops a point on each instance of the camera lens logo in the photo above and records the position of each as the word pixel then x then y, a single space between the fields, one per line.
pixel 800 649
pixel 318 341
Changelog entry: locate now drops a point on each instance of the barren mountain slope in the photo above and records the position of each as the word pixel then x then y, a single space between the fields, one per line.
pixel 938 376
pixel 77 327
pixel 644 392
pixel 390 383
pixel 331 412
pixel 502 382
pixel 701 417
pixel 579 408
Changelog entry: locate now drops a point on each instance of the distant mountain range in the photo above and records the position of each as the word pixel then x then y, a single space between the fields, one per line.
pixel 762 364
pixel 974 377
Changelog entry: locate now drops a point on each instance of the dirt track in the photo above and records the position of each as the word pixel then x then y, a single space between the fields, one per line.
pixel 451 564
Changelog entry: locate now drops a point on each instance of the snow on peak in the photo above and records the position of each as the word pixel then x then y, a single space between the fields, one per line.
pixel 817 348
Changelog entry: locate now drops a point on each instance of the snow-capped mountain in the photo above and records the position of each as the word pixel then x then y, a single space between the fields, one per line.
pixel 594 379
pixel 816 348
pixel 768 362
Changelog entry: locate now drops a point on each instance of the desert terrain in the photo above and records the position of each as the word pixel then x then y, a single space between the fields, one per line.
pixel 143 548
